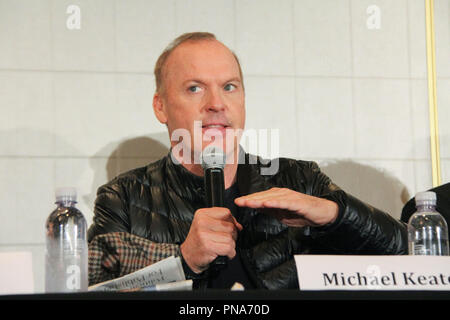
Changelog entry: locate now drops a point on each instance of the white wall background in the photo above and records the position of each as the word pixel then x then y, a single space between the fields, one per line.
pixel 442 25
pixel 75 105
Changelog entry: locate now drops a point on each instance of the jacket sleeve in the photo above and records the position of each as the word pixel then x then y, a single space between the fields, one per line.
pixel 116 254
pixel 359 228
pixel 111 232
pixel 110 210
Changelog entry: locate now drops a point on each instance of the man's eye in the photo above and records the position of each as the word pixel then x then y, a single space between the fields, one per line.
pixel 229 87
pixel 194 88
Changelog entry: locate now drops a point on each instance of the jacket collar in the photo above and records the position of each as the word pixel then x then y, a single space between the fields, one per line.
pixel 249 176
pixel 191 187
pixel 185 184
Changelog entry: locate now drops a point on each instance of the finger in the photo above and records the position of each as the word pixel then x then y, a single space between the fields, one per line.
pixel 210 237
pixel 220 244
pixel 285 204
pixel 296 204
pixel 216 212
pixel 224 227
pixel 226 216
pixel 219 225
pixel 223 221
pixel 267 193
pixel 257 198
pixel 287 218
pixel 237 224
pixel 295 223
pixel 224 249
pixel 257 203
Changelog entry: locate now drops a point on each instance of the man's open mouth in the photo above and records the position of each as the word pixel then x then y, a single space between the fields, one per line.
pixel 211 126
pixel 215 130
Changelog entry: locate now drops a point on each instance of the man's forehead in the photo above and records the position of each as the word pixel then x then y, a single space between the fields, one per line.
pixel 206 56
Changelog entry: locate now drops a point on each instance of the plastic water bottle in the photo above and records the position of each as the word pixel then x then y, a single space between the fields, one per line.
pixel 66 257
pixel 427 228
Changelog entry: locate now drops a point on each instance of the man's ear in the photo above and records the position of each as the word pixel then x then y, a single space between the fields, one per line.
pixel 159 108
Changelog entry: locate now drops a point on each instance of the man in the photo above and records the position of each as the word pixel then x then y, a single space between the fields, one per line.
pixel 267 218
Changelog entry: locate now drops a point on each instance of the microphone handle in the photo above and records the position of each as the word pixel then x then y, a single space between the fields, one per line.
pixel 215 191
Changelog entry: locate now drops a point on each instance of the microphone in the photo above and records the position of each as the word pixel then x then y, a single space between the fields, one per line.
pixel 213 163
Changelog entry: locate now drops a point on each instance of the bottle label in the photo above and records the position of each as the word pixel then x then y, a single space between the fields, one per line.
pixel 74 247
pixel 420 249
pixel 66 247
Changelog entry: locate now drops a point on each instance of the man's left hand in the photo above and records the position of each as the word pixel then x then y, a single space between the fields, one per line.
pixel 292 208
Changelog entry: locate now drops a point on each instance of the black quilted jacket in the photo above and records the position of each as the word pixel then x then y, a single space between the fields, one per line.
pixel 157 202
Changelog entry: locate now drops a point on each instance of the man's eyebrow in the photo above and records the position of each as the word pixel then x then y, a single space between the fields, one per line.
pixel 235 79
pixel 193 80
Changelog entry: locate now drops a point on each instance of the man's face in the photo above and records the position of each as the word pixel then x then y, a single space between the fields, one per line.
pixel 202 83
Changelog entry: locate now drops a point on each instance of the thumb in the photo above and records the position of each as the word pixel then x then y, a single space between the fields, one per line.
pixel 237 224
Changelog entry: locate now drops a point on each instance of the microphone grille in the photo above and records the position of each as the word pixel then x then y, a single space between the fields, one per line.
pixel 213 157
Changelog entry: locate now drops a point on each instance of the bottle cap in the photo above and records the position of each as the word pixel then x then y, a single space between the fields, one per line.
pixel 428 197
pixel 63 194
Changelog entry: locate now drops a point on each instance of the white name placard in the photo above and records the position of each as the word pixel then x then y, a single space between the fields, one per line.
pixel 340 272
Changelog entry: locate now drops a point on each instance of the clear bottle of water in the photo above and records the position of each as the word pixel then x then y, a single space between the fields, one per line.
pixel 427 228
pixel 66 268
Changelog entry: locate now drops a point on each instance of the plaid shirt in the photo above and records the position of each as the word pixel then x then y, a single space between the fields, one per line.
pixel 116 254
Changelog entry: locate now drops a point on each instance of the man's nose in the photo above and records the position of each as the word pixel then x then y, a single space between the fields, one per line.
pixel 215 101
